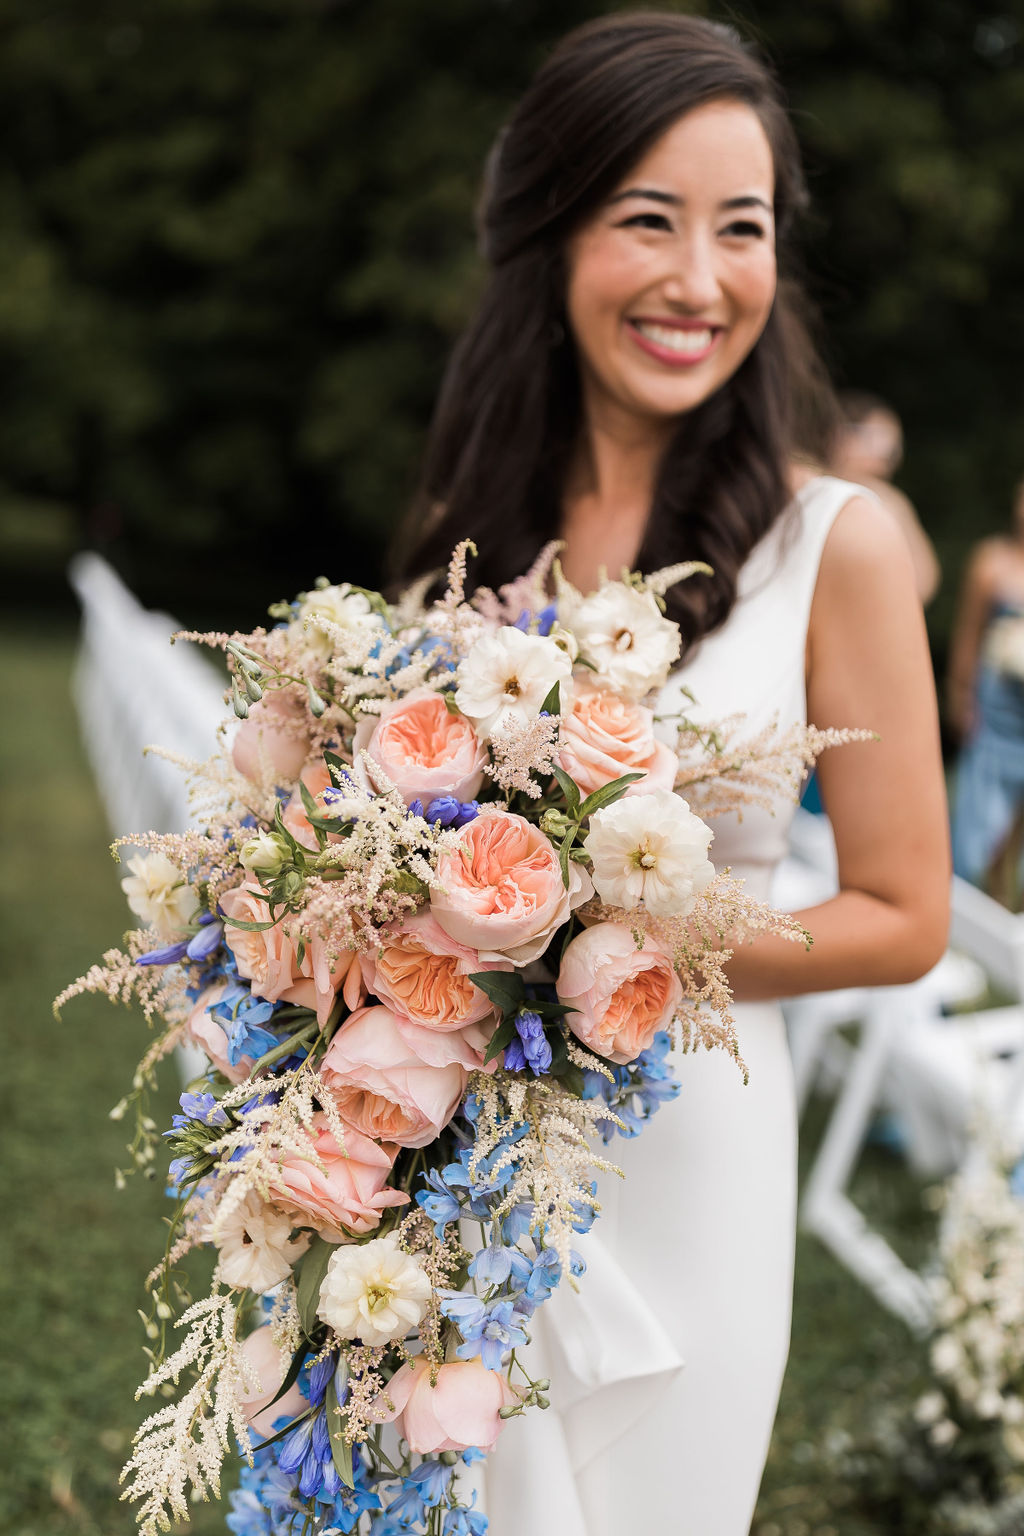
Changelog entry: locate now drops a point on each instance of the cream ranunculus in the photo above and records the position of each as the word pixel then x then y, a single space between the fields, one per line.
pixel 257 1249
pixel 373 1292
pixel 158 893
pixel 651 849
pixel 507 676
pixel 624 635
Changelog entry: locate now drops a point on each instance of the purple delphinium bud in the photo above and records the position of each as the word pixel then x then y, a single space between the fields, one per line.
pixel 165 956
pixel 202 946
pixel 535 1045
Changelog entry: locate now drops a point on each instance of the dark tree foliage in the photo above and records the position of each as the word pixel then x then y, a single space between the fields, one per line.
pixel 236 242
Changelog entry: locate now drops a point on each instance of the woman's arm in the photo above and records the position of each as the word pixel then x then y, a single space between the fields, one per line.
pixel 868 666
pixel 965 645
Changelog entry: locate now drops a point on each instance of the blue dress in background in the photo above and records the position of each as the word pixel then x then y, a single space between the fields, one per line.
pixel 990 776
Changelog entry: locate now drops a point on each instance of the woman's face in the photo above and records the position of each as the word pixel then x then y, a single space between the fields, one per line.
pixel 670 283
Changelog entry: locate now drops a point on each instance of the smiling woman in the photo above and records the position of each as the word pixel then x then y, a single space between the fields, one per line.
pixel 636 383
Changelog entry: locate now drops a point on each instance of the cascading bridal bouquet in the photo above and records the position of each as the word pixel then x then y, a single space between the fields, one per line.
pixel 439 921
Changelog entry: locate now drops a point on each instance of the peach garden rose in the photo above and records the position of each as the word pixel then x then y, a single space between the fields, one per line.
pixel 268 959
pixel 605 736
pixel 349 1191
pixel 620 995
pixel 382 1087
pixel 424 974
pixel 452 1409
pixel 423 749
pixel 274 740
pixel 502 893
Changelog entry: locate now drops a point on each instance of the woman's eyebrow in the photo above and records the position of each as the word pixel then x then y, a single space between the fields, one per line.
pixel 747 200
pixel 649 192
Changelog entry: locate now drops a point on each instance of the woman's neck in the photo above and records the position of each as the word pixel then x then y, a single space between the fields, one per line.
pixel 609 492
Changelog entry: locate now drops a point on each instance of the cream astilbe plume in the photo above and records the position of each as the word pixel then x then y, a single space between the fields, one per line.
pixel 181 1446
pixel 554 1166
pixel 526 594
pixel 721 770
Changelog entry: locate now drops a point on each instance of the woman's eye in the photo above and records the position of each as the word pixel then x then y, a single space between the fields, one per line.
pixel 647 221
pixel 746 229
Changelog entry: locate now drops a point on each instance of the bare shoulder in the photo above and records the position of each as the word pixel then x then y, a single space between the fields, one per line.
pixel 866 550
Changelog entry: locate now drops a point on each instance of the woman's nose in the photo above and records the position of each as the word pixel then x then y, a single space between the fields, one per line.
pixel 693 281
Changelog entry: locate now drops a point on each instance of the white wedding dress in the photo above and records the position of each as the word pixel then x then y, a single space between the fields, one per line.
pixel 666 1366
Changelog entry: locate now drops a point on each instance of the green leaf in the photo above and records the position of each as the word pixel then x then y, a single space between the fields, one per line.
pixel 336 765
pixel 504 988
pixel 552 704
pixel 559 1054
pixel 572 1079
pixel 564 853
pixel 341 1450
pixel 503 1035
pixel 292 1374
pixel 608 793
pixel 311 1272
pixel 241 922
pixel 570 789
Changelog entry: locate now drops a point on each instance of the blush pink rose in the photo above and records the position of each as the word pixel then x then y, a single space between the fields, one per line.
pixel 268 959
pixel 271 1365
pixel 349 1192
pixel 316 778
pixel 459 1410
pixel 621 995
pixel 274 740
pixel 605 736
pixel 383 1088
pixel 501 892
pixel 424 749
pixel 424 974
pixel 211 1036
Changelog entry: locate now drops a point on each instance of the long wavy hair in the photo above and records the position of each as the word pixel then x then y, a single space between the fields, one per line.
pixel 509 415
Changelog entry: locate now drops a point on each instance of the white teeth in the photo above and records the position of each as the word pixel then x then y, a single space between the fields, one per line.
pixel 675 340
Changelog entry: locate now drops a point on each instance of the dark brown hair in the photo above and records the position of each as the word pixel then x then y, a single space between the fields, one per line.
pixel 509 414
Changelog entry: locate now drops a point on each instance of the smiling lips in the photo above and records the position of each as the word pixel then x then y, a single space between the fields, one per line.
pixel 680 343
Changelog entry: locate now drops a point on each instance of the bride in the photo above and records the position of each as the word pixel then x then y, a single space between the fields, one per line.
pixel 637 382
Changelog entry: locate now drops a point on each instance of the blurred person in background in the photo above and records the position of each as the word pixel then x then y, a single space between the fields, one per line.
pixel 868 449
pixel 985 697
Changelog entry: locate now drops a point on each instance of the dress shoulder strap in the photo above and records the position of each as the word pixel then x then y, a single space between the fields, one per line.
pixel 792 557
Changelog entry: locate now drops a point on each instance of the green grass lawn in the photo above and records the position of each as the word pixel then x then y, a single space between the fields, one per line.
pixel 75 1249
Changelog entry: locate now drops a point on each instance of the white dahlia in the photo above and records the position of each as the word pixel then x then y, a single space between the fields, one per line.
pixel 651 849
pixel 373 1291
pixel 624 635
pixel 158 893
pixel 257 1249
pixel 507 676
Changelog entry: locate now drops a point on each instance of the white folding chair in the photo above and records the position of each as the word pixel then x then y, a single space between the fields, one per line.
pixel 133 689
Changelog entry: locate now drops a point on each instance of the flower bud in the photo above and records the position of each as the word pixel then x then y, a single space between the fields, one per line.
pixel 264 854
pixel 564 640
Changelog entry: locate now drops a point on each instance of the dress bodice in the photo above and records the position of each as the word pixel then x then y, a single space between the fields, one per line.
pixel 755 664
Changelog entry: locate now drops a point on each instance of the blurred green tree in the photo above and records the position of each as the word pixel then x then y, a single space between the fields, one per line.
pixel 236 243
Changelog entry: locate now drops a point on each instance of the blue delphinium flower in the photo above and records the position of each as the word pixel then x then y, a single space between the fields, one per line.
pixel 489 1330
pixel 451 812
pixel 199 1106
pixel 531 1048
pixel 438 1201
pixel 432 1479
pixel 207 941
pixel 481 1185
pixel 243 1017
pixel 467 1521
pixel 516 1225
pixel 493 1264
pixel 167 954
